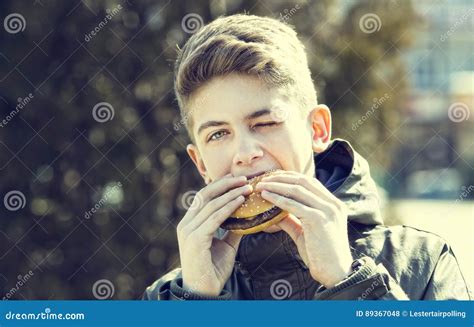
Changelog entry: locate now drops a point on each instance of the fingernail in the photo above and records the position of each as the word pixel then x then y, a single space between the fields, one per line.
pixel 245 188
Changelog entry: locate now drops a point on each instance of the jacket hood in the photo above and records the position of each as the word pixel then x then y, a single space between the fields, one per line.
pixel 345 174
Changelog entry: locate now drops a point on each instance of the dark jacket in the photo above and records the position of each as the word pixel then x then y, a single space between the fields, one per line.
pixel 397 262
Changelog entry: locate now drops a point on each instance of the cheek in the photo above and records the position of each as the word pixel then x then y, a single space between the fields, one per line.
pixel 280 151
pixel 292 148
pixel 218 163
pixel 300 136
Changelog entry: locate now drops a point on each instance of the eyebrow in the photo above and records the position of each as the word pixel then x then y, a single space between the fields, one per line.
pixel 253 115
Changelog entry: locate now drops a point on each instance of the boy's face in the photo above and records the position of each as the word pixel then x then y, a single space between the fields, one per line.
pixel 244 128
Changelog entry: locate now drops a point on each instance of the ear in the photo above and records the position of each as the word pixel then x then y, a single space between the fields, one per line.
pixel 195 156
pixel 320 122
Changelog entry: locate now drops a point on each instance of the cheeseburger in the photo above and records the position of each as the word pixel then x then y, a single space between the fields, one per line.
pixel 255 214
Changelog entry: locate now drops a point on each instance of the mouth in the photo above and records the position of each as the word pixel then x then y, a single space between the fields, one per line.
pixel 260 173
pixel 255 175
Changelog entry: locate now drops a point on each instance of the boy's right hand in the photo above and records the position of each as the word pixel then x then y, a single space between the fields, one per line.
pixel 207 261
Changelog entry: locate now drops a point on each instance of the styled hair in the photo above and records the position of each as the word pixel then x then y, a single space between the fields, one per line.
pixel 245 44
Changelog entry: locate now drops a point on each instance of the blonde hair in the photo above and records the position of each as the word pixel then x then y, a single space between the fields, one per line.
pixel 260 46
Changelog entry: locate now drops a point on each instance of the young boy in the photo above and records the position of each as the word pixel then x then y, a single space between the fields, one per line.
pixel 247 98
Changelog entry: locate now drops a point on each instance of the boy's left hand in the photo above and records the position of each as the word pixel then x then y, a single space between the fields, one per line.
pixel 317 223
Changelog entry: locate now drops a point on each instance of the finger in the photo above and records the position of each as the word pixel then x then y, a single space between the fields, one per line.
pixel 299 194
pixel 222 185
pixel 216 204
pixel 210 225
pixel 295 192
pixel 232 239
pixel 225 198
pixel 291 177
pixel 298 209
pixel 305 214
pixel 209 192
pixel 292 226
pixel 311 184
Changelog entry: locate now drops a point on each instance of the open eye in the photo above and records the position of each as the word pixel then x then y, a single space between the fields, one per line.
pixel 215 136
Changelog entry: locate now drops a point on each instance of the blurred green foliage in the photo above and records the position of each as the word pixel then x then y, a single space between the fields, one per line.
pixel 65 162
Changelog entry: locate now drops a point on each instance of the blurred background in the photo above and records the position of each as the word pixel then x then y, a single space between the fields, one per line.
pixel 94 176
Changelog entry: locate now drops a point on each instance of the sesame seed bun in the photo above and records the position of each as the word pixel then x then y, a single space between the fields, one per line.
pixel 255 214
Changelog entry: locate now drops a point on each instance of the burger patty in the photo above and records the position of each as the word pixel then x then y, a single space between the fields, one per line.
pixel 245 223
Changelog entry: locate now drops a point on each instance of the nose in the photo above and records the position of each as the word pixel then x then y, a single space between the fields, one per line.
pixel 248 151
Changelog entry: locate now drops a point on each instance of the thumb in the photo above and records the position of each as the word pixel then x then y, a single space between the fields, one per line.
pixel 292 226
pixel 232 239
